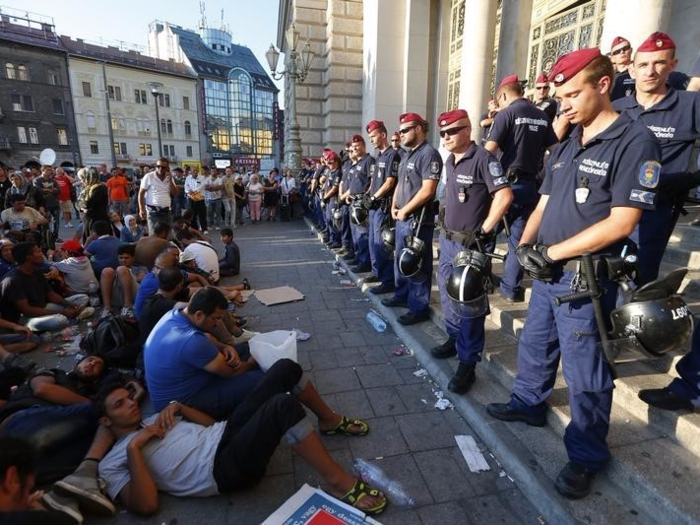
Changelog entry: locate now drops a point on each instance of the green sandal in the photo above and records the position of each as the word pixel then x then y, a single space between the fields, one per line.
pixel 343 427
pixel 358 492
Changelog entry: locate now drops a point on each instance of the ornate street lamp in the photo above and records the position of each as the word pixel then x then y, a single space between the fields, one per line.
pixel 298 65
pixel 156 90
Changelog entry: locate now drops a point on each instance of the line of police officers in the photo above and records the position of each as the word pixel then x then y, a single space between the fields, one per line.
pixel 613 184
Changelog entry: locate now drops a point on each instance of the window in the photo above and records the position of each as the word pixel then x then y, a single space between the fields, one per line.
pixel 172 150
pixel 145 149
pixel 10 71
pixel 22 73
pixel 22 103
pixel 87 89
pixel 164 100
pixel 188 128
pixel 114 93
pixel 62 136
pixel 163 126
pixel 115 125
pixel 58 106
pixel 137 96
pixel 120 148
pixel 94 147
pixel 186 102
pixel 22 134
pixel 189 151
pixel 90 119
pixel 170 126
pixel 33 136
pixel 53 78
pixel 122 124
pixel 143 126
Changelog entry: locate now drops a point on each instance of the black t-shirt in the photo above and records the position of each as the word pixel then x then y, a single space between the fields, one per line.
pixel 154 308
pixel 18 285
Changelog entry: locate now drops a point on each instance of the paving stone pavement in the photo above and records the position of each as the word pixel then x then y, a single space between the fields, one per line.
pixel 358 374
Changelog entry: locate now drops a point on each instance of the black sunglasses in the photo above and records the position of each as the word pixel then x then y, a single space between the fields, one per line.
pixel 452 131
pixel 540 88
pixel 621 50
pixel 406 130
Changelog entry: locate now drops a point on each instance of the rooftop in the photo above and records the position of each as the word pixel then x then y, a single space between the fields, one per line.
pixel 28 28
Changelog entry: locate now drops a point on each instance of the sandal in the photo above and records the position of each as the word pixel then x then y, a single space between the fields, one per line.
pixel 343 427
pixel 246 284
pixel 360 491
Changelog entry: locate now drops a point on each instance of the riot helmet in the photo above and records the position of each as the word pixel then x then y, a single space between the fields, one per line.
pixel 389 238
pixel 338 218
pixel 411 259
pixel 466 290
pixel 359 214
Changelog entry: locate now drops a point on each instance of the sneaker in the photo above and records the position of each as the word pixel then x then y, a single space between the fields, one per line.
pixel 246 335
pixel 88 491
pixel 128 312
pixel 64 505
pixel 105 312
pixel 19 361
pixel 86 312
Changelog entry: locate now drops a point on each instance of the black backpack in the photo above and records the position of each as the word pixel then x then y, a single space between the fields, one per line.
pixel 116 340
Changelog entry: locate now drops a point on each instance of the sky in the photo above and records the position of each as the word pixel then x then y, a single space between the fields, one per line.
pixel 251 22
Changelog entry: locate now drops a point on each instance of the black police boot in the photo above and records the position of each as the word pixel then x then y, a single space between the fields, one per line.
pixel 371 278
pixel 463 379
pixel 665 399
pixel 349 256
pixel 505 412
pixel 382 289
pixel 574 481
pixel 445 350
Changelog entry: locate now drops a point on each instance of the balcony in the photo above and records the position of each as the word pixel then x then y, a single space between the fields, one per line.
pixel 5 144
pixel 123 157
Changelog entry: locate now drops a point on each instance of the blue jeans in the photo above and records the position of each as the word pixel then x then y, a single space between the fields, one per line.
pixel 153 217
pixel 55 321
pixel 214 217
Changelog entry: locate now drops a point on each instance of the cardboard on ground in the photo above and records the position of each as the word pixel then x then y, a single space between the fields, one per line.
pixel 279 295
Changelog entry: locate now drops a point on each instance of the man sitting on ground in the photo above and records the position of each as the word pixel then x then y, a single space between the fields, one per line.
pixel 75 268
pixel 103 249
pixel 231 263
pixel 148 248
pixel 204 253
pixel 170 284
pixel 119 287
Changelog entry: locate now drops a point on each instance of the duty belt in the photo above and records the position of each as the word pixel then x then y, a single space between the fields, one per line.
pixel 465 239
pixel 516 174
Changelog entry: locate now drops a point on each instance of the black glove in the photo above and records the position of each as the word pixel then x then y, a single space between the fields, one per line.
pixel 485 236
pixel 535 261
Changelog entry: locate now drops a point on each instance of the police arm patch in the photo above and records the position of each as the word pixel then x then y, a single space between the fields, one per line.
pixel 645 197
pixel 500 181
pixel 495 169
pixel 649 174
pixel 434 167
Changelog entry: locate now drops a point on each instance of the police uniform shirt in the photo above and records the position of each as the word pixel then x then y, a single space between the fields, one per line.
pixel 360 174
pixel 402 152
pixel 549 106
pixel 319 171
pixel 623 85
pixel 346 174
pixel 675 121
pixel 422 163
pixel 333 179
pixel 470 183
pixel 618 167
pixel 522 133
pixel 387 165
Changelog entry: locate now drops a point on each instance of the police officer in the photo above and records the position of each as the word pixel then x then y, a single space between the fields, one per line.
pixel 315 190
pixel 381 191
pixel 360 173
pixel 329 195
pixel 477 197
pixel 419 173
pixel 396 144
pixel 591 200
pixel 522 133
pixel 542 99
pixel 347 253
pixel 674 117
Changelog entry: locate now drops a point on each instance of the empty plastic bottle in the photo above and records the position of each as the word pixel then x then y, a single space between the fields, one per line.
pixel 92 293
pixel 376 321
pixel 374 476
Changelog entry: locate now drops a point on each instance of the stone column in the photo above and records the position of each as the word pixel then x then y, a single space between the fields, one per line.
pixel 634 20
pixel 514 38
pixel 475 82
pixel 416 56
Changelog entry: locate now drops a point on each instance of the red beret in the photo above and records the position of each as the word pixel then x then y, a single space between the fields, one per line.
pixel 657 41
pixel 568 65
pixel 357 138
pixel 374 124
pixel 72 246
pixel 395 134
pixel 542 79
pixel 618 40
pixel 510 79
pixel 449 117
pixel 330 155
pixel 411 117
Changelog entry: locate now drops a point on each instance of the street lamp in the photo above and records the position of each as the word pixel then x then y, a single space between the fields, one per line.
pixel 298 65
pixel 156 88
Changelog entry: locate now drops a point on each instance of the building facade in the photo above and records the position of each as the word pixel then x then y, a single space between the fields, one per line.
pixel 36 110
pixel 237 98
pixel 115 111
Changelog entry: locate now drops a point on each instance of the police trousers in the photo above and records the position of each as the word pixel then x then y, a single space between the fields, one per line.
pixel 360 243
pixel 333 231
pixel 651 235
pixel 568 332
pixel 688 368
pixel 469 334
pixel 382 263
pixel 415 292
pixel 319 212
pixel 345 230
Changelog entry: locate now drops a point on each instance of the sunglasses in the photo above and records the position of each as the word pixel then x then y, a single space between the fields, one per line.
pixel 452 131
pixel 540 88
pixel 160 166
pixel 621 50
pixel 406 130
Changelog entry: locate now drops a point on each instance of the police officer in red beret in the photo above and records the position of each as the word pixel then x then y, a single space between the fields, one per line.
pixel 591 200
pixel 542 99
pixel 329 195
pixel 396 144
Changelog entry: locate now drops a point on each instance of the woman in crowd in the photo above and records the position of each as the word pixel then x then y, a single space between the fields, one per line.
pixel 239 194
pixel 94 199
pixel 131 231
pixel 32 196
pixel 255 191
pixel 271 195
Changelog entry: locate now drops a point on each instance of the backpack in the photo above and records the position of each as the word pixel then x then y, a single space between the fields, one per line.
pixel 116 340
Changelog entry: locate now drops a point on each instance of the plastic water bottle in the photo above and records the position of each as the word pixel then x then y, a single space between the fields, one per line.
pixel 92 293
pixel 374 476
pixel 376 321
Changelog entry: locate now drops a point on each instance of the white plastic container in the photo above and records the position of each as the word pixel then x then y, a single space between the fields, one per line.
pixel 269 347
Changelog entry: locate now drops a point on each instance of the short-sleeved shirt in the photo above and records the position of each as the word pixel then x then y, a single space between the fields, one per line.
pixel 675 121
pixel 17 286
pixel 181 464
pixel 64 187
pixel 360 173
pixel 421 163
pixel 157 191
pixel 147 288
pixel 214 194
pixel 154 308
pixel 549 106
pixel 50 197
pixel 175 355
pixel 118 188
pixel 20 220
pixel 104 251
pixel 619 167
pixel 78 273
pixel 205 257
pixel 476 176
pixel 522 133
pixel 387 165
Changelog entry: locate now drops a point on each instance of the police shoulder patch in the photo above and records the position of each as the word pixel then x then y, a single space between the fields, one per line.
pixel 649 174
pixel 434 167
pixel 645 197
pixel 395 166
pixel 372 168
pixel 500 181
pixel 495 169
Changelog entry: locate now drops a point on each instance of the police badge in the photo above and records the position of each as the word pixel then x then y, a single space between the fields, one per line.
pixel 434 167
pixel 649 174
pixel 495 169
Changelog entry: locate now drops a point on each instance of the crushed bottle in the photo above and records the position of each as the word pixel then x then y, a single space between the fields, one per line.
pixel 374 476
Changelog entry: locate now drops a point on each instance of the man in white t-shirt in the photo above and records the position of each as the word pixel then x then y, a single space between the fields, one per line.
pixel 21 218
pixel 205 256
pixel 155 195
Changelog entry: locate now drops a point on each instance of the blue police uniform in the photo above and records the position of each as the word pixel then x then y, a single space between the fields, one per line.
pixel 522 133
pixel 386 166
pixel 422 163
pixel 583 184
pixel 333 180
pixel 469 186
pixel 675 121
pixel 402 153
pixel 318 211
pixel 687 385
pixel 345 231
pixel 549 106
pixel 360 174
pixel 623 85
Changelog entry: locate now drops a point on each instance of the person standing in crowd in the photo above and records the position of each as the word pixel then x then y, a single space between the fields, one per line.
pixel 477 196
pixel 212 196
pixel 155 193
pixel 542 99
pixel 487 118
pixel 419 173
pixel 49 190
pixel 329 196
pixel 118 187
pixel 621 58
pixel 591 200
pixel 254 193
pixel 359 180
pixel 65 186
pixel 348 251
pixel 240 198
pixel 288 188
pixel 194 189
pixel 381 191
pixel 228 198
pixel 179 200
pixel 271 195
pixel 94 200
pixel 522 133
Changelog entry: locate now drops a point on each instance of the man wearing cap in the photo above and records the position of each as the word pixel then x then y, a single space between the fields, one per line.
pixel 329 195
pixel 542 99
pixel 381 191
pixel 360 174
pixel 477 197
pixel 419 174
pixel 396 144
pixel 522 133
pixel 674 117
pixel 591 200
pixel 348 251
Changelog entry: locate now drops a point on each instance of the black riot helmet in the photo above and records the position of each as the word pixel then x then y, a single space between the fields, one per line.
pixel 338 218
pixel 466 288
pixel 389 238
pixel 359 214
pixel 656 320
pixel 411 259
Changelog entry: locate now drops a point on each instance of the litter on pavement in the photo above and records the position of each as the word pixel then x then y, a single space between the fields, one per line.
pixel 472 455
